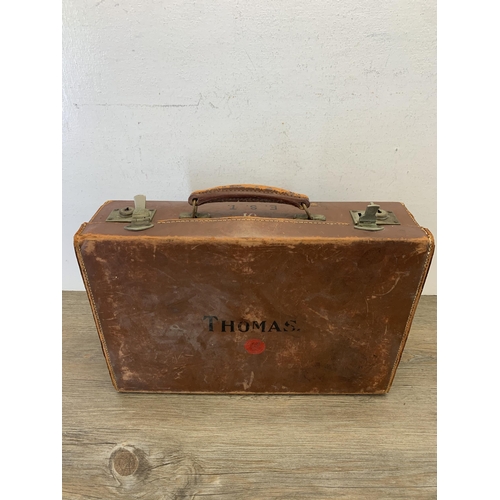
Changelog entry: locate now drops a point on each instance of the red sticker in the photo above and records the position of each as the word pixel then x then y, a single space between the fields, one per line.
pixel 255 346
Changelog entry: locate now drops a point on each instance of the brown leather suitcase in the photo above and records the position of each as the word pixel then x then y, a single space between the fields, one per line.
pixel 253 289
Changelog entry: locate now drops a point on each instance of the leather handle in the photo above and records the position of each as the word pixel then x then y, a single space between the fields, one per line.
pixel 248 193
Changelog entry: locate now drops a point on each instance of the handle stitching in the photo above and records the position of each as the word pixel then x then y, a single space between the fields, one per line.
pixel 222 190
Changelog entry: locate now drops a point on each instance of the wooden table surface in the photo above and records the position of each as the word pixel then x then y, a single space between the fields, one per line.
pixel 152 447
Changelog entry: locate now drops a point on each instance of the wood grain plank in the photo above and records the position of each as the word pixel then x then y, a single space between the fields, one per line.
pixel 250 447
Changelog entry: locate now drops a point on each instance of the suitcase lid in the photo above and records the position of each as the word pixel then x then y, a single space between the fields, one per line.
pixel 255 212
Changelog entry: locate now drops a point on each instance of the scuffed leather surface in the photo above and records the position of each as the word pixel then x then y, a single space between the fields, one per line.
pixel 352 294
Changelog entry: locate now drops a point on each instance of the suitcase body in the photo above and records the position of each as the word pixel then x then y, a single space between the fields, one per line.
pixel 252 299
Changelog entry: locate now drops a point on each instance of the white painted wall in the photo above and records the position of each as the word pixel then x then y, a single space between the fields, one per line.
pixel 334 99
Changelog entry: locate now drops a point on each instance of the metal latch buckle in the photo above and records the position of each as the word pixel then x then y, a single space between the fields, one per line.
pixel 372 218
pixel 139 217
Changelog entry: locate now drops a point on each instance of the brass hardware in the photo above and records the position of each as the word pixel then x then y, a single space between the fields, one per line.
pixel 194 214
pixel 382 214
pixel 125 214
pixel 189 215
pixel 116 215
pixel 313 217
pixel 138 218
pixel 141 216
pixel 372 218
pixel 308 215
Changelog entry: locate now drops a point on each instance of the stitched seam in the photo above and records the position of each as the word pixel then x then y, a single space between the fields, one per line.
pixel 94 310
pixel 413 307
pixel 249 393
pixel 250 190
pixel 251 219
pixel 269 199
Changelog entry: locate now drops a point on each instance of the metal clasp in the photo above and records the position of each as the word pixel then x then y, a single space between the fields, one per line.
pixel 372 218
pixel 139 217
